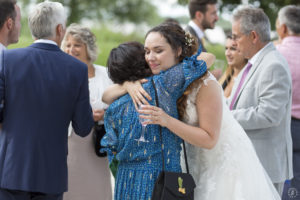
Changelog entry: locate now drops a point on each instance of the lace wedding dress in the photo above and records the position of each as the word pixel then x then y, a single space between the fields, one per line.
pixel 231 170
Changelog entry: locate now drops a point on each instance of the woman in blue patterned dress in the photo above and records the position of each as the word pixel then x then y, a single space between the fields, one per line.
pixel 169 49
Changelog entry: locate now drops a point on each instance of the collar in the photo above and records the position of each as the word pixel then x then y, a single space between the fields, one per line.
pixel 2 47
pixel 196 28
pixel 45 41
pixel 255 57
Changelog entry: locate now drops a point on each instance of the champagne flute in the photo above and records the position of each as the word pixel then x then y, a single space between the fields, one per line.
pixel 142 120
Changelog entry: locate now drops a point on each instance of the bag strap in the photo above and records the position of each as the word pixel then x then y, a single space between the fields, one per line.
pixel 161 138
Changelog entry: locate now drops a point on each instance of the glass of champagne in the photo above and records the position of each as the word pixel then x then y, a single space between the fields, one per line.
pixel 142 120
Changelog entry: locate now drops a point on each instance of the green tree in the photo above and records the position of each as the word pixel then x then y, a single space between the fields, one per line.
pixel 270 7
pixel 136 11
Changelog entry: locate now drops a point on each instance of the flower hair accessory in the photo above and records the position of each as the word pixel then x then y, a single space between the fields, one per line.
pixel 189 39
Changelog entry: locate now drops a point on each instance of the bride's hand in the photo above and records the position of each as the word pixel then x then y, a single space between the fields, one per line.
pixel 209 58
pixel 155 115
pixel 137 92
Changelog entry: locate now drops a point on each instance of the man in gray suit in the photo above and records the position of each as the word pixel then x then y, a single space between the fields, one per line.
pixel 261 100
pixel 203 15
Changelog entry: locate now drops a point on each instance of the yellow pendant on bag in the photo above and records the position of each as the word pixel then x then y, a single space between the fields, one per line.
pixel 180 188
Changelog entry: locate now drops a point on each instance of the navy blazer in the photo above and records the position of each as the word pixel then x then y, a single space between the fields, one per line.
pixel 42 89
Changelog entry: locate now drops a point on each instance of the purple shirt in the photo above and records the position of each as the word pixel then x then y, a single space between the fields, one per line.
pixel 290 48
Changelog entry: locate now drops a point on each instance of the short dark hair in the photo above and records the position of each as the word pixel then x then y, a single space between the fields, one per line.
pixel 199 5
pixel 127 63
pixel 7 10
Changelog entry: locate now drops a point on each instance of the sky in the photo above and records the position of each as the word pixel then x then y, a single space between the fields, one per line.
pixel 170 8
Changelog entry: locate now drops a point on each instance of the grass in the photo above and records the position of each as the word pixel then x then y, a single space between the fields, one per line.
pixel 107 39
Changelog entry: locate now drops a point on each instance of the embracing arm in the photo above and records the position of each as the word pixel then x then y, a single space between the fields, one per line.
pixel 209 58
pixel 113 92
pixel 135 90
pixel 209 109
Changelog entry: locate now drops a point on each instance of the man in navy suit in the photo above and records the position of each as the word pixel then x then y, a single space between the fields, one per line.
pixel 43 89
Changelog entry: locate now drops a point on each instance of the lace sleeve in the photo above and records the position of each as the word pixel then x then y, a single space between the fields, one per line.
pixel 208 78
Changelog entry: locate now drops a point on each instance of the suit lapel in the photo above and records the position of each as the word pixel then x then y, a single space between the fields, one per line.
pixel 254 67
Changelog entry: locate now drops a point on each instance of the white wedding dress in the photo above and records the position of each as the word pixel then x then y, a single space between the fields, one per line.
pixel 231 170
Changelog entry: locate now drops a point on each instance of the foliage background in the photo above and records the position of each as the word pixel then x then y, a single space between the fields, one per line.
pixel 105 14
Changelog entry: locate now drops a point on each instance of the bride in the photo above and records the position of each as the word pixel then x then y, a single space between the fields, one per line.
pixel 221 157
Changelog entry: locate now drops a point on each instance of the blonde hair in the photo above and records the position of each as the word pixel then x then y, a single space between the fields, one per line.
pixel 228 73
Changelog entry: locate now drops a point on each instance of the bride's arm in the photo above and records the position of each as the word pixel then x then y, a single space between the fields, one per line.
pixel 112 92
pixel 209 58
pixel 209 109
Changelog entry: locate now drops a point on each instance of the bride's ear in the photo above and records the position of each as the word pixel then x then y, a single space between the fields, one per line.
pixel 178 52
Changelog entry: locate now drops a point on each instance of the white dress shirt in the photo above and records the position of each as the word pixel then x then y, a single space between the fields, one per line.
pixel 45 41
pixel 2 47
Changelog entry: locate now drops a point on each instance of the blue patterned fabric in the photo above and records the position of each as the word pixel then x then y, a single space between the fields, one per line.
pixel 140 163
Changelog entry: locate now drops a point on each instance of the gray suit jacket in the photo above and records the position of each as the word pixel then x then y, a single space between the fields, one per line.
pixel 263 108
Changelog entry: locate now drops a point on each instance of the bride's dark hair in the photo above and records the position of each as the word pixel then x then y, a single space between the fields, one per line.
pixel 182 101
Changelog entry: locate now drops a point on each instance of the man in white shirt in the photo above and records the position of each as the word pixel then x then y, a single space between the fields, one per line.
pixel 203 15
pixel 262 94
pixel 10 23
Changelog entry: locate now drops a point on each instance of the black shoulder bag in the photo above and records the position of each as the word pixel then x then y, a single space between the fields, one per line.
pixel 98 133
pixel 173 185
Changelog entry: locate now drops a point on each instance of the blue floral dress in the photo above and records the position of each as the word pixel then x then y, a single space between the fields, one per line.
pixel 141 162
